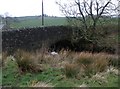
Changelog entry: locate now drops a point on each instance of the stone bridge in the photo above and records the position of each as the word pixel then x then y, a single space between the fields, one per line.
pixel 34 38
pixel 48 37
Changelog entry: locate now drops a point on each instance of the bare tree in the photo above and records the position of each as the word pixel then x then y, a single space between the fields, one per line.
pixel 87 15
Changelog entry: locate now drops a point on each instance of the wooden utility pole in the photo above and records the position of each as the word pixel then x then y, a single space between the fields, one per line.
pixel 42 14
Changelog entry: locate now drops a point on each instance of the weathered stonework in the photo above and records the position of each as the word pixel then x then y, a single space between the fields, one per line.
pixel 33 38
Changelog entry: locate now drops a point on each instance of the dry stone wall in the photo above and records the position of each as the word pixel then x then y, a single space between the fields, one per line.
pixel 33 38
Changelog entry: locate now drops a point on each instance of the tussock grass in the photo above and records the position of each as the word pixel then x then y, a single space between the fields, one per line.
pixel 73 63
pixel 27 62
pixel 71 70
pixel 87 63
pixel 78 67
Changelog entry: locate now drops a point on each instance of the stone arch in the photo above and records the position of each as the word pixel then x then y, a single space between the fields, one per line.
pixel 62 44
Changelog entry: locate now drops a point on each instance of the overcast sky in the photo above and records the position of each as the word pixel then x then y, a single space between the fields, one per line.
pixel 29 7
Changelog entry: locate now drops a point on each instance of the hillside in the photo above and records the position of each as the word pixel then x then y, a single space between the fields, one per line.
pixel 36 21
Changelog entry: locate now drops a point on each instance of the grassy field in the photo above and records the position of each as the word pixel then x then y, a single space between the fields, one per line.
pixel 37 22
pixel 63 70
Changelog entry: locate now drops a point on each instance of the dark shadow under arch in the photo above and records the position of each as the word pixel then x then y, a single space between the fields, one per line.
pixel 62 44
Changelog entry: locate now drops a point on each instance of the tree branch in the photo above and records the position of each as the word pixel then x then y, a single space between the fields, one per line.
pixel 81 12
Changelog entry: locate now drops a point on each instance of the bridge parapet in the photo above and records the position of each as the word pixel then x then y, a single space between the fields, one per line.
pixel 33 38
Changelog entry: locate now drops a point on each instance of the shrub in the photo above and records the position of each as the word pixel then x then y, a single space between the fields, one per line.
pixel 26 61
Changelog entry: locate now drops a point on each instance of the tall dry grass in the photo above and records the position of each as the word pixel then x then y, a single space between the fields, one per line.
pixel 27 62
pixel 71 70
pixel 42 85
pixel 73 63
pixel 87 63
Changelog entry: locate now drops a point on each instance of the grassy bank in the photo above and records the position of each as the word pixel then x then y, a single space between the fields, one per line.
pixel 65 69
